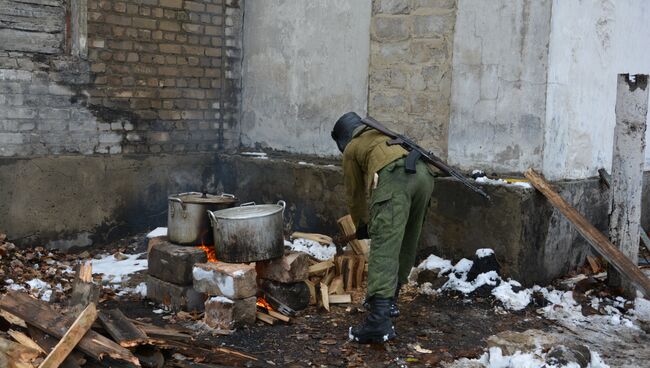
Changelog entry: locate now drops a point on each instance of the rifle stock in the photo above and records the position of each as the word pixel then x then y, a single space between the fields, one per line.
pixel 427 156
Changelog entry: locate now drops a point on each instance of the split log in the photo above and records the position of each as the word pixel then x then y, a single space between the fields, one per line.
pixel 340 299
pixel 12 319
pixel 324 295
pixel 320 238
pixel 312 292
pixel 279 316
pixel 320 267
pixel 597 240
pixel 84 291
pixel 41 315
pixel 329 276
pixel 121 329
pixel 47 343
pixel 593 264
pixel 25 340
pixel 348 227
pixel 71 338
pixel 336 286
pixel 17 352
pixel 265 318
pixel 351 267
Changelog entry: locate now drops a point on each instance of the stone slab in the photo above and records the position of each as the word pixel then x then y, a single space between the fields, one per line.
pixel 173 263
pixel 292 267
pixel 232 280
pixel 176 297
pixel 226 314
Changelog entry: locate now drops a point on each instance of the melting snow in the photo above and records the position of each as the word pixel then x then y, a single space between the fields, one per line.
pixel 313 248
pixel 494 358
pixel 159 231
pixel 115 270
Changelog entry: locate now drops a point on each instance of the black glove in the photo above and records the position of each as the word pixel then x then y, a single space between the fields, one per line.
pixel 362 232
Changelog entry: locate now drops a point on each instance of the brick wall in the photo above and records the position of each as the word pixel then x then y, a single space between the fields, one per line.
pixel 410 67
pixel 159 76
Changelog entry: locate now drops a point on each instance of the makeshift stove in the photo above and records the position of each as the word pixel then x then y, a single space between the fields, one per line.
pixel 247 275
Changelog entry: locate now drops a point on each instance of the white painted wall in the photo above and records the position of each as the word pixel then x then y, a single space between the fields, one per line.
pixel 591 42
pixel 305 63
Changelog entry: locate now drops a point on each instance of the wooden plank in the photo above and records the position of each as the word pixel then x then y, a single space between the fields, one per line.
pixel 340 299
pixel 17 352
pixel 320 267
pixel 75 333
pixel 41 315
pixel 348 228
pixel 84 291
pixel 25 340
pixel 597 240
pixel 46 342
pixel 324 295
pixel 12 319
pixel 265 318
pixel 121 329
pixel 593 264
pixel 279 316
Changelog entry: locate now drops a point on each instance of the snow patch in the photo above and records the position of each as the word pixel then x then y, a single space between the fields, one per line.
pixel 159 231
pixel 313 248
pixel 484 252
pixel 221 299
pixel 115 270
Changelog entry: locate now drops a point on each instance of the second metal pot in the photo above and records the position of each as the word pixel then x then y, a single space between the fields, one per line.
pixel 187 221
pixel 249 233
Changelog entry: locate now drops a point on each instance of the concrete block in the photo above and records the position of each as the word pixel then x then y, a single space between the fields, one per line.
pixel 292 267
pixel 391 28
pixel 174 296
pixel 172 262
pixel 226 314
pixel 294 295
pixel 232 280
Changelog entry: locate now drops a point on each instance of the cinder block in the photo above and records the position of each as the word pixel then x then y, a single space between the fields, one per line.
pixel 173 263
pixel 174 296
pixel 292 267
pixel 226 314
pixel 232 280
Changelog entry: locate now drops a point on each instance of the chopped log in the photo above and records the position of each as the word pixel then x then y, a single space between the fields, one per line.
pixel 336 286
pixel 361 267
pixel 17 352
pixel 329 276
pixel 265 318
pixel 279 316
pixel 166 333
pixel 121 329
pixel 41 315
pixel 320 238
pixel 312 292
pixel 71 338
pixel 350 274
pixel 25 340
pixel 84 291
pixel 348 227
pixel 324 295
pixel 320 267
pixel 340 299
pixel 47 343
pixel 351 267
pixel 593 264
pixel 597 240
pixel 12 319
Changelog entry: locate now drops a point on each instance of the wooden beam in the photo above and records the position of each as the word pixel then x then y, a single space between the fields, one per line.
pixel 46 342
pixel 121 329
pixel 42 316
pixel 597 240
pixel 71 338
pixel 23 339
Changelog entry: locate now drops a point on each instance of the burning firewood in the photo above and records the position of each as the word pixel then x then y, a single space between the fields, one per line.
pixel 265 318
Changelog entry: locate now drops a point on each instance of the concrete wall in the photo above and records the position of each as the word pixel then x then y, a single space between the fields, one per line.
pixel 305 64
pixel 410 68
pixel 591 42
pixel 498 103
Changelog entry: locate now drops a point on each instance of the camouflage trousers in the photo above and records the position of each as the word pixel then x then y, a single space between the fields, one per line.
pixel 398 206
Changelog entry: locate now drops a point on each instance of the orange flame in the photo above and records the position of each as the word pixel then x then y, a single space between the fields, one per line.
pixel 262 303
pixel 210 251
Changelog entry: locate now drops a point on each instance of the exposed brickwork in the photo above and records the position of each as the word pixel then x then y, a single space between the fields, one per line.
pixel 154 80
pixel 410 67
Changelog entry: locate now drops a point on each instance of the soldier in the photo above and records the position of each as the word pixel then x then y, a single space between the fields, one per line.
pixel 388 206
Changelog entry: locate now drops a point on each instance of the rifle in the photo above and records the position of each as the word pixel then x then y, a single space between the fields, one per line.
pixel 416 152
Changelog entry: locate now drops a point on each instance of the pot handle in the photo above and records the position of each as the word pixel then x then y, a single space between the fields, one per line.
pixel 283 204
pixel 177 200
pixel 247 204
pixel 213 218
pixel 227 195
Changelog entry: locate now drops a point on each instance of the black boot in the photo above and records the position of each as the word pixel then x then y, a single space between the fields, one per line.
pixel 394 310
pixel 377 327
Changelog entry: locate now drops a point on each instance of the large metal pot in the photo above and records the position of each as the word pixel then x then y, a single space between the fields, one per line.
pixel 248 233
pixel 187 222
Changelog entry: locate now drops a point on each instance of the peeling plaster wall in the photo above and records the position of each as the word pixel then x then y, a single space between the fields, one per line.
pixel 305 64
pixel 591 42
pixel 498 100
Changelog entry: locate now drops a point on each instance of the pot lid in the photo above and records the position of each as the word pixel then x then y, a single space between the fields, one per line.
pixel 196 197
pixel 249 211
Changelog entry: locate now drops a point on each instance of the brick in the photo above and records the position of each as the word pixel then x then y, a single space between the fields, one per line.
pixel 11 138
pixel 391 28
pixel 232 280
pixel 144 23
pixel 170 48
pixel 174 296
pixel 50 113
pixel 192 28
pixel 120 45
pixel 119 7
pixel 227 314
pixel 432 25
pixel 132 9
pixel 194 6
pixel 176 4
pixel 215 9
pixel 391 6
pixel 20 113
pixel 292 267
pixel 173 263
pixel 118 20
pixel 169 25
pixel 212 30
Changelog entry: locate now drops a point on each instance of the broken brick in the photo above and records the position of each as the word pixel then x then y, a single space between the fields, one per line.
pixel 224 313
pixel 232 280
